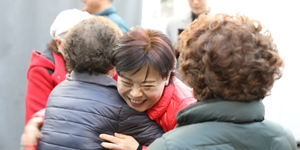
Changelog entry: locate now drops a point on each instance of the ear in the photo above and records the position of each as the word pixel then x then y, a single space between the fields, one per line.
pixel 58 44
pixel 57 41
pixel 167 79
pixel 166 82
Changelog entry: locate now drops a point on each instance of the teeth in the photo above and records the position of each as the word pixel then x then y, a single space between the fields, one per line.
pixel 136 102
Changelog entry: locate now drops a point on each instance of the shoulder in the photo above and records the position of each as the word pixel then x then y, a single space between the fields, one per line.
pixel 39 63
pixel 279 133
pixel 227 136
pixel 182 96
pixel 159 143
pixel 41 57
pixel 119 21
pixel 182 19
pixel 177 139
pixel 115 18
pixel 91 93
pixel 182 92
pixel 85 100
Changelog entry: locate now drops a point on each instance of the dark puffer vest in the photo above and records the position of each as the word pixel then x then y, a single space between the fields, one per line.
pixel 84 106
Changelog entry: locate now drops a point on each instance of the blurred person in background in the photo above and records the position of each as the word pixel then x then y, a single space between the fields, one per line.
pixel 47 69
pixel 104 8
pixel 178 23
pixel 231 62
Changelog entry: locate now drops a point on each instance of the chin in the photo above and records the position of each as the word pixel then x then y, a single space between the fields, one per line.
pixel 139 110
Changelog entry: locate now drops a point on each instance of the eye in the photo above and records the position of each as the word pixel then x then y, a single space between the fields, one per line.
pixel 147 87
pixel 126 83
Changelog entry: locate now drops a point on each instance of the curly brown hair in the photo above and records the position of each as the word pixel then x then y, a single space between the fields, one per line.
pixel 88 46
pixel 230 57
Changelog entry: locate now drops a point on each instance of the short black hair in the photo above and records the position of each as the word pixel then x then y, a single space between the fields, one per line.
pixel 140 47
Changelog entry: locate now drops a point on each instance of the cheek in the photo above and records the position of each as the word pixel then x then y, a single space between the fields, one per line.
pixel 156 94
pixel 203 5
pixel 121 89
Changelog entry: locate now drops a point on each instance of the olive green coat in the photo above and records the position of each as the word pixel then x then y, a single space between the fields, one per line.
pixel 225 125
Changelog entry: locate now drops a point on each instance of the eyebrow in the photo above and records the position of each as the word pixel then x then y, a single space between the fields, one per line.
pixel 151 81
pixel 148 81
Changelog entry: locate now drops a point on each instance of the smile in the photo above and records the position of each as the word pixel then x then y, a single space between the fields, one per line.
pixel 136 101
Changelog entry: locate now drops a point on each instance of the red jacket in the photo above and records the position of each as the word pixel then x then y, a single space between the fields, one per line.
pixel 176 96
pixel 40 82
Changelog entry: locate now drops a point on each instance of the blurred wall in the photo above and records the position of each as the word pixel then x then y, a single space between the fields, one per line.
pixel 130 11
pixel 25 26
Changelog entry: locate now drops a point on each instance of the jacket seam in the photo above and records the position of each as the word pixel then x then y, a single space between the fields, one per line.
pixel 77 111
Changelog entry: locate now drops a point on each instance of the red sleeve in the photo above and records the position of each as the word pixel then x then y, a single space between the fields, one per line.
pixel 39 86
pixel 40 113
pixel 145 147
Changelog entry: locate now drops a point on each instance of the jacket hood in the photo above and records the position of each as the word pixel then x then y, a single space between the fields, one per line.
pixel 38 60
pixel 222 111
pixel 107 11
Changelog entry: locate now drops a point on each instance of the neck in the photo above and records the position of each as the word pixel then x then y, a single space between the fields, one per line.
pixel 104 6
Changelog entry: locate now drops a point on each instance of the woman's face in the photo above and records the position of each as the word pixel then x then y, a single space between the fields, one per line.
pixel 198 6
pixel 91 6
pixel 139 93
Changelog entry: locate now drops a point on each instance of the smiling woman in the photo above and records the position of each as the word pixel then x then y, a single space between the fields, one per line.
pixel 142 80
pixel 145 61
pixel 141 91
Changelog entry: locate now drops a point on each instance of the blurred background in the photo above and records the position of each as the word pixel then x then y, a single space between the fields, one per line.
pixel 25 27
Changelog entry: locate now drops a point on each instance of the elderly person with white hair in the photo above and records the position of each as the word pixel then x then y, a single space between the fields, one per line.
pixel 47 69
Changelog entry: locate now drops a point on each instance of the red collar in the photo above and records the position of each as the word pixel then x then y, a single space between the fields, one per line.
pixel 162 105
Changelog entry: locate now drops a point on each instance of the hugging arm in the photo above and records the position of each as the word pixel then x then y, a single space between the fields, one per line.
pixel 32 131
pixel 136 130
pixel 39 86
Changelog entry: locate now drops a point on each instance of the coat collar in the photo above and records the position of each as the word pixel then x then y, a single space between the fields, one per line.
pixel 107 11
pixel 100 79
pixel 222 111
pixel 162 105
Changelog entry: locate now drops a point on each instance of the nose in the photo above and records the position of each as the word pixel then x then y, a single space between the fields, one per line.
pixel 196 1
pixel 136 92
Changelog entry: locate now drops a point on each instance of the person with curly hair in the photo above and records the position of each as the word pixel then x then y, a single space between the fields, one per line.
pixel 87 103
pixel 231 62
